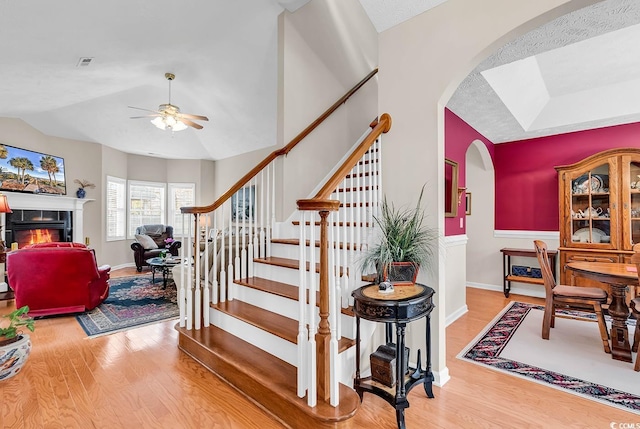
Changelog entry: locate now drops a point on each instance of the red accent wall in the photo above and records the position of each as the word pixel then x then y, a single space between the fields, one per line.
pixel 458 138
pixel 527 183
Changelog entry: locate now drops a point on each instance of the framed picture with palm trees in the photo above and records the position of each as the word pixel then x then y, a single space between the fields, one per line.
pixel 23 170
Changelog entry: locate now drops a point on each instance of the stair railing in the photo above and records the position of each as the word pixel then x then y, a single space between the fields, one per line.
pixel 319 349
pixel 233 232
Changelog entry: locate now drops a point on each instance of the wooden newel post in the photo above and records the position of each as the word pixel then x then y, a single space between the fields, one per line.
pixel 323 334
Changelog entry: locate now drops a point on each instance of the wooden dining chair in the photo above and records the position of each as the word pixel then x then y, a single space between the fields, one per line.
pixel 569 297
pixel 635 309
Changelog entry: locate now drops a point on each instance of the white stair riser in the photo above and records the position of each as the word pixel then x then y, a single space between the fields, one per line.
pixel 276 273
pixel 276 304
pixel 270 343
pixel 275 345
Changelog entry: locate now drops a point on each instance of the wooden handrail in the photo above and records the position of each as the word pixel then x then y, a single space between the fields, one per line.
pixel 383 126
pixel 279 152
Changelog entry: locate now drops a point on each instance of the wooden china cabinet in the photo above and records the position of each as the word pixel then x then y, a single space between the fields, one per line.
pixel 599 210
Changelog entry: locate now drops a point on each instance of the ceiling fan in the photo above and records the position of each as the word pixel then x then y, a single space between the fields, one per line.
pixel 168 116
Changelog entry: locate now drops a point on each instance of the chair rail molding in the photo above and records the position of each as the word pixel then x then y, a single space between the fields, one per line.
pixel 455 240
pixel 533 235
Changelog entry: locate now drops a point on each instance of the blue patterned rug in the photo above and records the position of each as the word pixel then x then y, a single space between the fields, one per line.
pixel 490 346
pixel 133 301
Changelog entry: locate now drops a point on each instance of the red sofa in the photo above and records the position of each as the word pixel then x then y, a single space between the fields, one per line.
pixel 57 278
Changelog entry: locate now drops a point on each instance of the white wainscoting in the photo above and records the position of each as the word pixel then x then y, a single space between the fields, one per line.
pixel 456 277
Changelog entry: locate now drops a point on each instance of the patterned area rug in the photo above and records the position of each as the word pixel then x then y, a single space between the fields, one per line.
pixel 572 360
pixel 133 301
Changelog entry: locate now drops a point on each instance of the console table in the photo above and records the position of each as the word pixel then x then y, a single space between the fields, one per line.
pixel 507 253
pixel 405 304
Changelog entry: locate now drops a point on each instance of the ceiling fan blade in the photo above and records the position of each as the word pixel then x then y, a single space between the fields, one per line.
pixel 146 110
pixel 189 116
pixel 190 123
pixel 145 117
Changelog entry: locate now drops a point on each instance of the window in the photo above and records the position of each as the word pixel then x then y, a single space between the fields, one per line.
pixel 146 204
pixel 180 195
pixel 116 206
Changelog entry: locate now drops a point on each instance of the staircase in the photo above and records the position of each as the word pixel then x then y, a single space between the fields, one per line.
pixel 265 305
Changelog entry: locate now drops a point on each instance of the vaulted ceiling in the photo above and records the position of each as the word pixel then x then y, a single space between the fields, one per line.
pixel 224 56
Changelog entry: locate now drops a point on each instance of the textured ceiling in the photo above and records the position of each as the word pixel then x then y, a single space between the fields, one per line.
pixel 580 71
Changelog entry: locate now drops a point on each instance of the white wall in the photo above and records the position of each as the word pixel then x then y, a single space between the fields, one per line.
pixel 422 61
pixel 325 48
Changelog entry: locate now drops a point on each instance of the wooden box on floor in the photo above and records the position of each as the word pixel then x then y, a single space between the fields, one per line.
pixel 383 364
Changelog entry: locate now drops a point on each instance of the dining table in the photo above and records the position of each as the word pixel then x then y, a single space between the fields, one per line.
pixel 619 277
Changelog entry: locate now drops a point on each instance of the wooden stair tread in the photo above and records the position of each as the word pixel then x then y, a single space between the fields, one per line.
pixel 266 320
pixel 280 326
pixel 271 286
pixel 355 189
pixel 289 263
pixel 347 224
pixel 296 241
pixel 263 378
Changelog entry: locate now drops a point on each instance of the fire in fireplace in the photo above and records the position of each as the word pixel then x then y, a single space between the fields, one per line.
pixel 38 232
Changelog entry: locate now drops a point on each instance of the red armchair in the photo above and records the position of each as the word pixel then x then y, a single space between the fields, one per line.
pixel 57 278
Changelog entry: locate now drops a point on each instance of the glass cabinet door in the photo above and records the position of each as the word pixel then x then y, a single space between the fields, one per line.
pixel 591 207
pixel 632 209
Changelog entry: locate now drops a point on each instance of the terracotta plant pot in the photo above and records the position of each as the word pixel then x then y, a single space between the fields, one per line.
pixel 13 356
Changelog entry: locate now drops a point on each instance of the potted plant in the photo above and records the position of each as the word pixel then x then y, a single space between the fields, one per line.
pixel 405 243
pixel 15 346
pixel 81 193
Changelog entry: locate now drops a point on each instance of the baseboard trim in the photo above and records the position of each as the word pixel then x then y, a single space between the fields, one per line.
pixel 441 377
pixel 518 290
pixel 456 315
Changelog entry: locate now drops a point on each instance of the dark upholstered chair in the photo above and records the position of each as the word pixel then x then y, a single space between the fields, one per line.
pixel 574 297
pixel 151 241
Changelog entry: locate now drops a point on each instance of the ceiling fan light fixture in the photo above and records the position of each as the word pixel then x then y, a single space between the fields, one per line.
pixel 168 116
pixel 168 122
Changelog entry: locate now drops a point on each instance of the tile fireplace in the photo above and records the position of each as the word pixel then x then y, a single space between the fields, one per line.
pixel 38 218
pixel 37 226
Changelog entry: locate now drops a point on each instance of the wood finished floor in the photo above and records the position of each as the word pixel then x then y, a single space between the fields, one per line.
pixel 139 379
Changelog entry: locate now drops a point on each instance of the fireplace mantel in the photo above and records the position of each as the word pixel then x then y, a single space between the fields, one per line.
pixel 51 202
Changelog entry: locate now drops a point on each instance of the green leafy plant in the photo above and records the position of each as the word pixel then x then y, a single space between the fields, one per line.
pixel 403 238
pixel 17 318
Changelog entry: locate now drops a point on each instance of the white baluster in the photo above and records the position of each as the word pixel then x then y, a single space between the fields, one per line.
pixel 183 278
pixel 188 285
pixel 232 238
pixel 197 297
pixel 263 191
pixel 214 271
pixel 272 203
pixel 206 292
pixel 313 325
pixel 346 246
pixel 223 239
pixel 249 252
pixel 303 334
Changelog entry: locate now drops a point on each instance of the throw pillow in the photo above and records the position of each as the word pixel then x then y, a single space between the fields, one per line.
pixel 146 242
